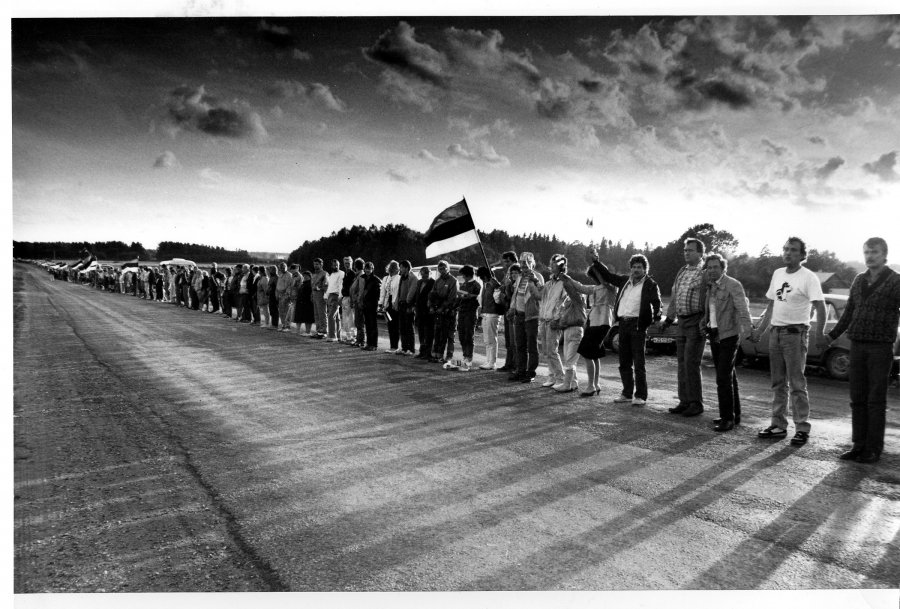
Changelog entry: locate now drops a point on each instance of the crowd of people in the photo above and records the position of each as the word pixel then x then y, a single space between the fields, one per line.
pixel 558 319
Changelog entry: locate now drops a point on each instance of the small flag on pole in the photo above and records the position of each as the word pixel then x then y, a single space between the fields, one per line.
pixel 135 262
pixel 452 229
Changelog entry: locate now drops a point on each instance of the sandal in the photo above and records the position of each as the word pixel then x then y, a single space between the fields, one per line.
pixel 800 438
pixel 773 432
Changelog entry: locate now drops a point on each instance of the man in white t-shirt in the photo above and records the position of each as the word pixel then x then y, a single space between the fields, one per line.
pixel 334 283
pixel 794 289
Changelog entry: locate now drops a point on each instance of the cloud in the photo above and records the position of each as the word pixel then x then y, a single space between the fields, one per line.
pixel 484 153
pixel 401 89
pixel 554 99
pixel 399 50
pixel 825 171
pixel 884 167
pixel 301 55
pixel 211 176
pixel 317 92
pixel 396 176
pixel 475 49
pixel 816 139
pixel 776 149
pixel 194 110
pixel 427 156
pixel 166 160
pixel 276 35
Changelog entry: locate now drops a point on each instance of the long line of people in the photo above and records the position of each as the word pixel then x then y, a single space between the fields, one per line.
pixel 559 319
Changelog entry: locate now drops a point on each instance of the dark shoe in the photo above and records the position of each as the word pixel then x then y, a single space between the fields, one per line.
pixel 504 368
pixel 800 438
pixel 678 409
pixel 693 410
pixel 588 394
pixel 851 454
pixel 370 348
pixel 772 432
pixel 868 457
pixel 723 426
pixel 527 379
pixel 514 377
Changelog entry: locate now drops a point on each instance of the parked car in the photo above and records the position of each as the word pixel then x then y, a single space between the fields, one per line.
pixel 835 359
pixel 659 340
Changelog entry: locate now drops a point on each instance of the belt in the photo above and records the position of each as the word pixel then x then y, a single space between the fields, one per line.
pixel 683 315
pixel 629 318
pixel 791 329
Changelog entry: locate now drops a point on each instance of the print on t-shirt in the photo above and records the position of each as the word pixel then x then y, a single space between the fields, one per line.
pixel 783 291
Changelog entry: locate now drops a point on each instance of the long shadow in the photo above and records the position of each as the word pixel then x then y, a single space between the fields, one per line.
pixel 347 551
pixel 752 562
pixel 547 568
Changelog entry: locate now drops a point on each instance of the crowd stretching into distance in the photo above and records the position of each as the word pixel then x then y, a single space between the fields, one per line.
pixel 560 320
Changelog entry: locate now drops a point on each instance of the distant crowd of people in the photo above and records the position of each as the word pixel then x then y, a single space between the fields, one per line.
pixel 559 319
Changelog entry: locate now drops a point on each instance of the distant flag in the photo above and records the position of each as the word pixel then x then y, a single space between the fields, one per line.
pixel 134 262
pixel 452 229
pixel 589 222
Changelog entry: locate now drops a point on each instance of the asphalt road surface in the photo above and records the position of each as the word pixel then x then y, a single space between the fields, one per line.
pixel 161 449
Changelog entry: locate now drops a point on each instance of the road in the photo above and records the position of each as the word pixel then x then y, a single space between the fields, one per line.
pixel 161 449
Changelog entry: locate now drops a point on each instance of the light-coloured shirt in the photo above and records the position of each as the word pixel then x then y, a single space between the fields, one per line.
pixel 713 312
pixel 793 294
pixel 390 289
pixel 335 282
pixel 630 303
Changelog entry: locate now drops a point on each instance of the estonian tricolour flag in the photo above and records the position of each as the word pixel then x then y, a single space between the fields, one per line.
pixel 452 230
pixel 136 262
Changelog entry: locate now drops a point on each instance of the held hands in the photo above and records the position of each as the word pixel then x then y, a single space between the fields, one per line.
pixel 823 341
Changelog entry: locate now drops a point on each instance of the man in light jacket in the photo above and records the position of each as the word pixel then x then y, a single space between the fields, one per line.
pixel 725 321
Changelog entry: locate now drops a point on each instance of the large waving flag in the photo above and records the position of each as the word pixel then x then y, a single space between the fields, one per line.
pixel 452 229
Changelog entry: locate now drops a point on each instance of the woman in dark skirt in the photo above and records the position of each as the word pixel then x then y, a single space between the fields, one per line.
pixel 601 299
pixel 303 309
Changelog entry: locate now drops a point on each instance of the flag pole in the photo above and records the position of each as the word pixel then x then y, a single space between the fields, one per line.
pixel 478 237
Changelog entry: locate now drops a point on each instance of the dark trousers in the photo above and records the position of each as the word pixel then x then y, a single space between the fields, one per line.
pixel 723 352
pixel 407 333
pixel 359 317
pixel 870 369
pixel 370 313
pixel 444 329
pixel 632 365
pixel 273 311
pixel 393 325
pixel 246 307
pixel 179 296
pixel 425 327
pixel 213 297
pixel 689 351
pixel 526 346
pixel 509 341
pixel 195 298
pixel 226 303
pixel 466 331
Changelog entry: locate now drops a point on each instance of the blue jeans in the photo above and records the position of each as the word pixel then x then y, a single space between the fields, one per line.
pixel 632 363
pixel 788 346
pixel 870 369
pixel 689 351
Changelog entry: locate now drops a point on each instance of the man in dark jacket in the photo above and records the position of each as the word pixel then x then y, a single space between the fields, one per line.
pixel 370 297
pixel 637 306
pixel 424 317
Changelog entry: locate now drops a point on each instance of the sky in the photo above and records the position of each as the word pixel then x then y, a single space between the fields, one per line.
pixel 263 131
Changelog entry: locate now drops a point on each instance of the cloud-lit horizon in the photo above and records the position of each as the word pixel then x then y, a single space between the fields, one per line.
pixel 261 133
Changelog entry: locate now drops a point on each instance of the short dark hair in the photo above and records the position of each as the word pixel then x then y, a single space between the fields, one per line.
pixel 877 242
pixel 319 260
pixel 718 257
pixel 515 267
pixel 639 259
pixel 483 273
pixel 467 270
pixel 405 264
pixel 358 264
pixel 802 244
pixel 510 256
pixel 701 247
pixel 425 270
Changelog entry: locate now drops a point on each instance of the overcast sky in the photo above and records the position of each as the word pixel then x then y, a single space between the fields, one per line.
pixel 260 133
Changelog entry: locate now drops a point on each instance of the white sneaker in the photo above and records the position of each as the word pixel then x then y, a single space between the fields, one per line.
pixel 622 399
pixel 451 366
pixel 548 383
pixel 486 366
pixel 558 386
pixel 332 340
pixel 391 351
pixel 638 402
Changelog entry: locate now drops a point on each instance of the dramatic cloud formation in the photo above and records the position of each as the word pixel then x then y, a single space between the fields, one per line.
pixel 399 49
pixel 194 110
pixel 481 51
pixel 484 153
pixel 317 92
pixel 824 172
pixel 166 160
pixel 401 89
pixel 884 167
